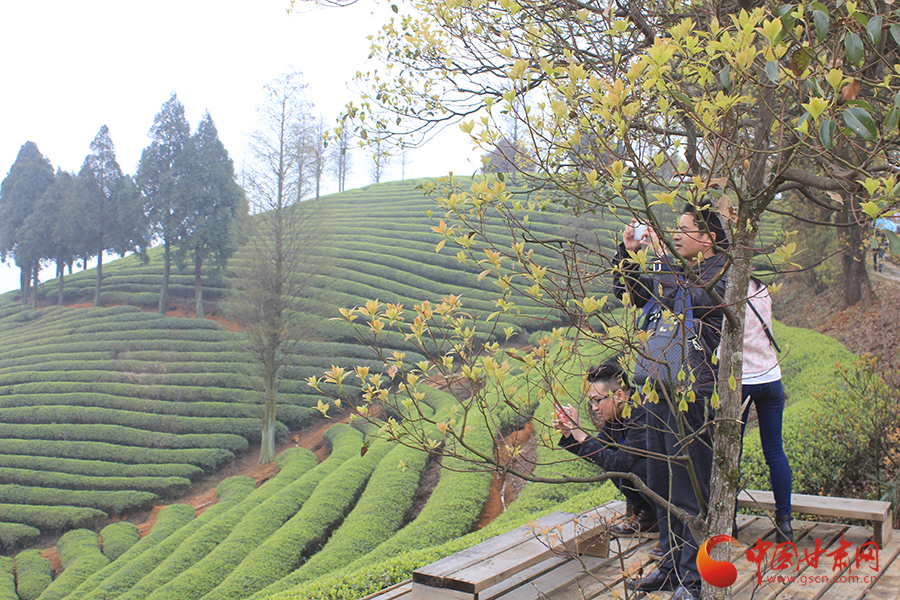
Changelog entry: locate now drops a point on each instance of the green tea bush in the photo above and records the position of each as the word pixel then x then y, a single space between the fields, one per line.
pixel 7 579
pixel 14 535
pixel 205 458
pixel 375 518
pixel 117 538
pixel 248 428
pixel 50 518
pixel 322 507
pixel 33 574
pixel 125 436
pixel 97 468
pixel 80 556
pixel 170 519
pixel 107 501
pixel 293 462
pixel 164 486
pixel 230 492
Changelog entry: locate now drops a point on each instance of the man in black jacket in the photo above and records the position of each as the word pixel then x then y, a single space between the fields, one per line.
pixel 620 445
pixel 679 422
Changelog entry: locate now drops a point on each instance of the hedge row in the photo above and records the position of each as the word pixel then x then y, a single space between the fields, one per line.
pixel 80 556
pixel 33 574
pixel 208 459
pixel 7 579
pixel 117 538
pixel 231 380
pixel 125 436
pixel 231 493
pixel 170 393
pixel 140 368
pixel 97 468
pixel 108 501
pixel 315 503
pixel 389 495
pixel 56 518
pixel 13 535
pixel 279 554
pixel 164 486
pixel 169 520
pixel 34 415
pixel 293 463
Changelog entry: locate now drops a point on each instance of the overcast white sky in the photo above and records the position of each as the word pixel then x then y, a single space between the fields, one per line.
pixel 70 67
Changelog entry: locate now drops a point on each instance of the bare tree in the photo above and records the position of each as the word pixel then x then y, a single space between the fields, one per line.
pixel 341 162
pixel 272 270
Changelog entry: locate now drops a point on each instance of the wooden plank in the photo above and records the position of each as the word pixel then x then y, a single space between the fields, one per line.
pixel 887 559
pixel 425 592
pixel 888 584
pixel 398 590
pixel 553 583
pixel 748 585
pixel 528 553
pixel 826 506
pixel 435 573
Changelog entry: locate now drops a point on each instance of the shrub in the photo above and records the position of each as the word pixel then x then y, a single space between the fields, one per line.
pixel 207 459
pixel 323 505
pixel 80 556
pixel 294 463
pixel 50 518
pixel 97 468
pixel 107 501
pixel 117 538
pixel 13 535
pixel 170 519
pixel 164 486
pixel 33 574
pixel 7 579
pixel 125 436
pixel 231 492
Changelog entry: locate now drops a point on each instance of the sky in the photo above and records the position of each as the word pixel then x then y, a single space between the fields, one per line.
pixel 70 67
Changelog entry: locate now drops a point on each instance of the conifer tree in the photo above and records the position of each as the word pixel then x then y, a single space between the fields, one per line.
pixel 27 181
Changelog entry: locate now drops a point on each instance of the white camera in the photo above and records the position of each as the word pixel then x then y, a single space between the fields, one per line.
pixel 639 230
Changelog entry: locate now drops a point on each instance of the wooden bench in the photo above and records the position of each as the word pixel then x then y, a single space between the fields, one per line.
pixel 466 574
pixel 847 508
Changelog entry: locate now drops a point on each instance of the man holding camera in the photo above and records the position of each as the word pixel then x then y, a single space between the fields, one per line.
pixel 678 423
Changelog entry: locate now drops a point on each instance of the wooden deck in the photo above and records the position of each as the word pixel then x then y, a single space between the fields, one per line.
pixel 566 577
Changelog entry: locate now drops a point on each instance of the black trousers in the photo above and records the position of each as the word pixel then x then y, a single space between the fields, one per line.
pixel 671 480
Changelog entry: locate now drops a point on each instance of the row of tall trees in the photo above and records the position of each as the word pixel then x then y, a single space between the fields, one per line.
pixel 183 194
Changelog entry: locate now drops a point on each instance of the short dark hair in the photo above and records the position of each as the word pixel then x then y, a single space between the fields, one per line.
pixel 611 374
pixel 709 221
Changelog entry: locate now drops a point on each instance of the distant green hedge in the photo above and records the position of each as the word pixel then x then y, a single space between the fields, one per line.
pixel 208 459
pixel 164 486
pixel 107 501
pixel 50 518
pixel 125 436
pixel 97 468
pixel 14 535
pixel 119 585
pixel 248 428
pixel 80 556
pixel 117 538
pixel 169 520
pixel 33 574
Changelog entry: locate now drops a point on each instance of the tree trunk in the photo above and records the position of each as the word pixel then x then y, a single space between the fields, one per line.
pixel 164 292
pixel 855 283
pixel 198 288
pixel 35 271
pixel 99 279
pixel 267 440
pixel 24 284
pixel 61 274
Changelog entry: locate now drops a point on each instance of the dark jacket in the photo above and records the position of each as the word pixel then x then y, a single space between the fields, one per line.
pixel 662 285
pixel 627 433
